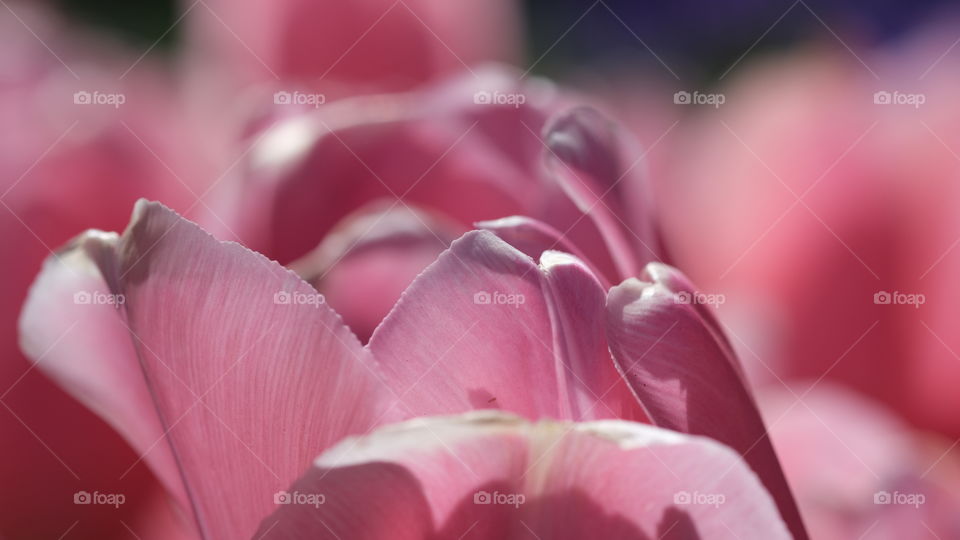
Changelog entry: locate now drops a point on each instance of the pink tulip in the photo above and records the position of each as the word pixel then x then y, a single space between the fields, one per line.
pixel 204 354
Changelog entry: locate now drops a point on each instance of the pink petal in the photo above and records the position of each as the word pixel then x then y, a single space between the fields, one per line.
pixel 367 261
pixel 230 363
pixel 533 237
pixel 486 327
pixel 454 340
pixel 686 379
pixel 576 302
pixel 675 281
pixel 587 160
pixel 464 476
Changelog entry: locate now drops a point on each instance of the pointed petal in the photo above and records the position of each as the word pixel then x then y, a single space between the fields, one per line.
pixel 686 380
pixel 364 265
pixel 490 475
pixel 486 327
pixel 472 331
pixel 245 367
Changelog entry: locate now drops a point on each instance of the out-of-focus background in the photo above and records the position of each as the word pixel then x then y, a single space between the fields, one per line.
pixel 804 155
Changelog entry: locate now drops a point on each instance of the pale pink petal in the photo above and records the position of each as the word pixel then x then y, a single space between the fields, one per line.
pixel 491 475
pixel 576 302
pixel 675 281
pixel 486 327
pixel 686 380
pixel 248 372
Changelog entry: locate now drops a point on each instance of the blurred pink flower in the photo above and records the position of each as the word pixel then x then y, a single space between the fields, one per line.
pixel 347 48
pixel 833 220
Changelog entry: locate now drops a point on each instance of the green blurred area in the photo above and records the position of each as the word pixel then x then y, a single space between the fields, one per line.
pixel 142 23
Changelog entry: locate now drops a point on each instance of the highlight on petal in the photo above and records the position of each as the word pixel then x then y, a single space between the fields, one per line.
pixel 492 475
pixel 487 327
pixel 686 379
pixel 224 370
pixel 533 237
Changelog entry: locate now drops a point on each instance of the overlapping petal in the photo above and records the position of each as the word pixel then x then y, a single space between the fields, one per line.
pixel 686 378
pixel 491 475
pixel 487 327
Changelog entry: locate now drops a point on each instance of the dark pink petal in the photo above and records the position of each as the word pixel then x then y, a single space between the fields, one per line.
pixel 686 379
pixel 486 327
pixel 368 45
pixel 490 475
pixel 232 365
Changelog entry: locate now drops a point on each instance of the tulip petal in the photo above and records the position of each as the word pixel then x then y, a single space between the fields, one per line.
pixel 686 380
pixel 586 160
pixel 492 475
pixel 245 368
pixel 486 327
pixel 533 237
pixel 365 263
